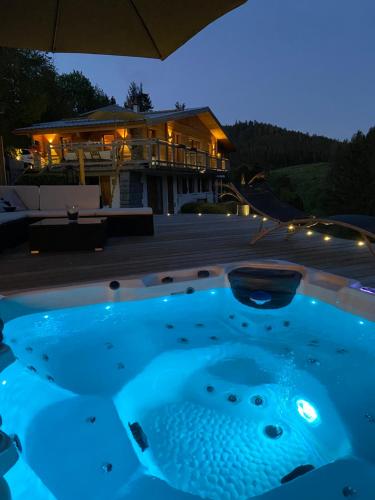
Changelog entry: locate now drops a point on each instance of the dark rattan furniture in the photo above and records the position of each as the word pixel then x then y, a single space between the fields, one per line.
pixel 87 233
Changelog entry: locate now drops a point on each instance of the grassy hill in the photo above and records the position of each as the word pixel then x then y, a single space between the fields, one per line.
pixel 304 186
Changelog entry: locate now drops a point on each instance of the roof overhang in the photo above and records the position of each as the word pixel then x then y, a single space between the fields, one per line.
pixel 211 122
pixel 75 127
pixel 108 120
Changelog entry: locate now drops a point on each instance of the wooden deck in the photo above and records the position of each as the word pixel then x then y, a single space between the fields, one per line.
pixel 182 241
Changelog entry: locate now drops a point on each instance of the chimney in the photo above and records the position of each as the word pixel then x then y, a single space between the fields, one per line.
pixel 135 108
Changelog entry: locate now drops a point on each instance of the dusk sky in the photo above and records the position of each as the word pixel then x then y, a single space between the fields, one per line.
pixel 302 64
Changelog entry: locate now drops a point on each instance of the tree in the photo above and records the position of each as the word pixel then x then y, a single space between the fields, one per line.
pixel 180 106
pixel 32 91
pixel 136 97
pixel 76 95
pixel 262 146
pixel 27 83
pixel 352 178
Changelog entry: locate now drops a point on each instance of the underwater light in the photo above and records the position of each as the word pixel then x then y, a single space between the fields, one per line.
pixel 213 292
pixel 313 302
pixel 46 316
pixel 361 322
pixel 165 300
pixel 307 411
pixel 3 382
pixel 107 308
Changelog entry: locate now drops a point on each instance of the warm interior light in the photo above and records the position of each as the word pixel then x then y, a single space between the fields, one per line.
pixel 122 132
pixel 50 137
pixel 170 134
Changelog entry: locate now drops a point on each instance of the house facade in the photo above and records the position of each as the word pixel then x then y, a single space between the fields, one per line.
pixel 161 159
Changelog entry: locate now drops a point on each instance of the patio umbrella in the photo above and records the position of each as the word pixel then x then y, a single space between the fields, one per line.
pixel 141 28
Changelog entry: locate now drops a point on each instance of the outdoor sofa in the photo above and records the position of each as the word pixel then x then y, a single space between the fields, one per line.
pixel 34 203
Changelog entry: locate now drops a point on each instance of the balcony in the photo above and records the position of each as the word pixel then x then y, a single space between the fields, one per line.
pixel 134 154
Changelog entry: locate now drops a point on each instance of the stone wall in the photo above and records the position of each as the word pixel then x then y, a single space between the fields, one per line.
pixel 131 190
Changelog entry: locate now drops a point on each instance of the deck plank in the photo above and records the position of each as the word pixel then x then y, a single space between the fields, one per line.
pixel 182 241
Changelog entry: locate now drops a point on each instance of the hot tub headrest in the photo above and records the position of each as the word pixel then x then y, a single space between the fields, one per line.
pixel 264 288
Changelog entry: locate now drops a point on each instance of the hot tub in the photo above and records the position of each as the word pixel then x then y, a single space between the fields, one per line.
pixel 250 380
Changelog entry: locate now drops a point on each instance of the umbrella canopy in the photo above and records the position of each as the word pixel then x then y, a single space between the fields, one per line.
pixel 141 28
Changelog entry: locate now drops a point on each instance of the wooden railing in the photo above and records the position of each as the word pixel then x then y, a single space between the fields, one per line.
pixel 133 153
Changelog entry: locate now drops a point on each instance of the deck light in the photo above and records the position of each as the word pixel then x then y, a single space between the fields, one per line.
pixel 228 215
pixel 199 215
pixel 168 214
pixel 327 238
pixel 307 411
pixel 255 216
pixel 291 227
pixel 264 219
pixel 360 243
pixel 309 233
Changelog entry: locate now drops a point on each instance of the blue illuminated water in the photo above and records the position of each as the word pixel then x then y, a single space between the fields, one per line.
pixel 230 400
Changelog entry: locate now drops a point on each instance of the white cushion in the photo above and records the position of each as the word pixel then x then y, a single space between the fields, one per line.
pixel 70 156
pixel 58 197
pixel 28 194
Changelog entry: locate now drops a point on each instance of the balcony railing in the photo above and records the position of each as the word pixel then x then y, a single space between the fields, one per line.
pixel 135 153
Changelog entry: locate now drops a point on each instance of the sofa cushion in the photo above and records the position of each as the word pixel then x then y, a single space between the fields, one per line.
pixel 11 216
pixel 14 200
pixel 4 205
pixel 28 194
pixel 108 212
pixel 58 197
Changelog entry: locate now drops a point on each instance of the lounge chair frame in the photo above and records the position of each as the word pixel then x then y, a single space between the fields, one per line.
pixel 298 224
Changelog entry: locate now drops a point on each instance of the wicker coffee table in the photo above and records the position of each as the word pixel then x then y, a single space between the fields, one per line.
pixel 57 235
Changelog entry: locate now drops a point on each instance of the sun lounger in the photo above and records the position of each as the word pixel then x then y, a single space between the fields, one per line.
pixel 264 202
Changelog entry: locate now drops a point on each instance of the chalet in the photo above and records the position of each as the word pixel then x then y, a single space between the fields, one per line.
pixel 161 159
